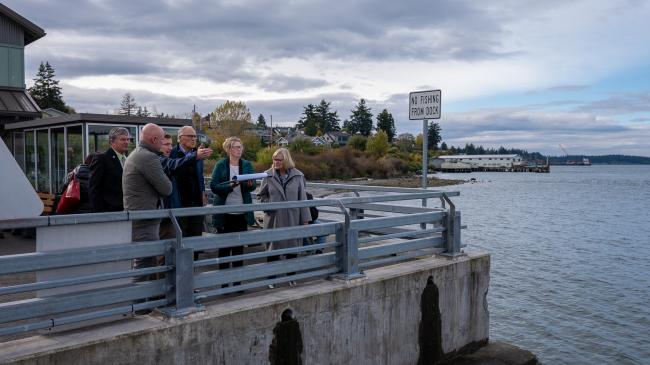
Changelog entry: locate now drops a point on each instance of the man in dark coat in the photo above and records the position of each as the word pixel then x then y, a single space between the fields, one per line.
pixel 171 166
pixel 188 186
pixel 105 185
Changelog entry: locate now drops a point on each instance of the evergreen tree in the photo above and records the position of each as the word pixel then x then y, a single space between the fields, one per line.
pixel 318 119
pixel 386 123
pixel 46 90
pixel 433 136
pixel 361 120
pixel 443 146
pixel 309 123
pixel 261 121
pixel 128 105
pixel 328 121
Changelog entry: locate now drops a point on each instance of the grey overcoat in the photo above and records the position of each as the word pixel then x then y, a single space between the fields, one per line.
pixel 272 191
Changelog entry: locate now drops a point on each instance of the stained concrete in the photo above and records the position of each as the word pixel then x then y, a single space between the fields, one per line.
pixel 374 320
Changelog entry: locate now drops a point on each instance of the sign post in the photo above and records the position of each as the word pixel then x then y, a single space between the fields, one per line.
pixel 424 105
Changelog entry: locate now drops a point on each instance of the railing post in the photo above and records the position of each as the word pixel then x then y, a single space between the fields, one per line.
pixel 181 279
pixel 452 227
pixel 348 251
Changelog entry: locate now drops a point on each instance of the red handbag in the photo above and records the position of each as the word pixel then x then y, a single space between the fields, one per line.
pixel 71 197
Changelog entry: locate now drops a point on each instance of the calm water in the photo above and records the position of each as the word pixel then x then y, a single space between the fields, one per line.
pixel 570 276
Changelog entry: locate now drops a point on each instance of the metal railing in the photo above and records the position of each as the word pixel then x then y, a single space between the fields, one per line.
pixel 361 232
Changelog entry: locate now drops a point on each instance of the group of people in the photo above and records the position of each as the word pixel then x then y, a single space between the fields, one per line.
pixel 158 175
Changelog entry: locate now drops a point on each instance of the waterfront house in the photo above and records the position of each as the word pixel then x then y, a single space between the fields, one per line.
pixel 336 138
pixel 478 162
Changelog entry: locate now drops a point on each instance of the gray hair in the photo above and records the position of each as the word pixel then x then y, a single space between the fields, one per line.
pixel 118 131
pixel 182 129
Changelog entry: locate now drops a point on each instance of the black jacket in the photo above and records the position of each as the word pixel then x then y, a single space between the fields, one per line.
pixel 105 185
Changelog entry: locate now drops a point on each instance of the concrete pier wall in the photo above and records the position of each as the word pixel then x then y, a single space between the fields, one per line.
pixel 415 312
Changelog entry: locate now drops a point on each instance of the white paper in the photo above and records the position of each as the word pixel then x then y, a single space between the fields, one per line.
pixel 246 177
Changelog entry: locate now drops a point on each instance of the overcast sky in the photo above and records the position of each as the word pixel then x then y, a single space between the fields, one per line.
pixel 526 74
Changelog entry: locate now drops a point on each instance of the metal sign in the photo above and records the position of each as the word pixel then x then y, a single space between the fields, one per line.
pixel 424 105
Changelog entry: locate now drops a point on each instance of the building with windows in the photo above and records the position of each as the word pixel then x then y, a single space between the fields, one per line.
pixel 16 32
pixel 478 162
pixel 48 148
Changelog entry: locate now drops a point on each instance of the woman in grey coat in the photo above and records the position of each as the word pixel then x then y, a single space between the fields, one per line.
pixel 285 183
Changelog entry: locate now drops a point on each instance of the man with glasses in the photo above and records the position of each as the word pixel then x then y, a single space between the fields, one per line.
pixel 171 167
pixel 105 184
pixel 188 187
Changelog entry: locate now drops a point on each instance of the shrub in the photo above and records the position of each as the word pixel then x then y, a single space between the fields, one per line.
pixel 303 145
pixel 264 156
pixel 378 145
pixel 358 142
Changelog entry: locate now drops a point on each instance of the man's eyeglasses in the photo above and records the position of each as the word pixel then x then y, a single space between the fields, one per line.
pixel 192 136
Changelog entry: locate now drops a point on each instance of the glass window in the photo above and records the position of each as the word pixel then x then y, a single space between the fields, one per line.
pixel 42 163
pixel 74 153
pixel 19 149
pixel 6 138
pixel 30 157
pixel 57 155
pixel 98 137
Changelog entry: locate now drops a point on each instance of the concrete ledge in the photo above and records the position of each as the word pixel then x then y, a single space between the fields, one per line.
pixel 389 317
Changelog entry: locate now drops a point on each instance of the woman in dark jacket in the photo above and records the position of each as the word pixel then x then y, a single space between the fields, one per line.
pixel 232 193
pixel 81 173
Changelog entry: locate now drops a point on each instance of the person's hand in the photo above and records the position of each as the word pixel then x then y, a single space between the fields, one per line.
pixel 202 152
pixel 250 183
pixel 234 184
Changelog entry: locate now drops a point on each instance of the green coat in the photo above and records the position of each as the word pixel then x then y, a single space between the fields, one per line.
pixel 220 174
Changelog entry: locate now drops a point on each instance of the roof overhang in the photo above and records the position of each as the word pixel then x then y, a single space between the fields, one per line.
pixel 32 31
pixel 98 118
pixel 17 103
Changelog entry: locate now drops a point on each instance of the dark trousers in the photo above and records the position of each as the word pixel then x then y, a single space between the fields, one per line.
pixel 142 231
pixel 277 258
pixel 167 229
pixel 232 223
pixel 192 227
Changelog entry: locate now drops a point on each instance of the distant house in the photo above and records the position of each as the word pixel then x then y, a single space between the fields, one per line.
pixel 264 134
pixel 282 131
pixel 339 138
pixel 282 142
pixel 319 141
pixel 51 112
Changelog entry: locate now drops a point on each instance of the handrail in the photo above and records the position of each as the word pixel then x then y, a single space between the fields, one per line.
pixel 392 238
pixel 57 220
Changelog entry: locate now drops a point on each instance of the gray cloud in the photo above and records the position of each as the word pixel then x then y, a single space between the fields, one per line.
pixel 619 104
pixel 542 131
pixel 263 30
pixel 279 83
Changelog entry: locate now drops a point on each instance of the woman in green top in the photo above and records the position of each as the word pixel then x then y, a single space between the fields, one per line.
pixel 232 193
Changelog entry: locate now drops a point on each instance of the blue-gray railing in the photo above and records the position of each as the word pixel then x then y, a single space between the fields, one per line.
pixel 362 231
